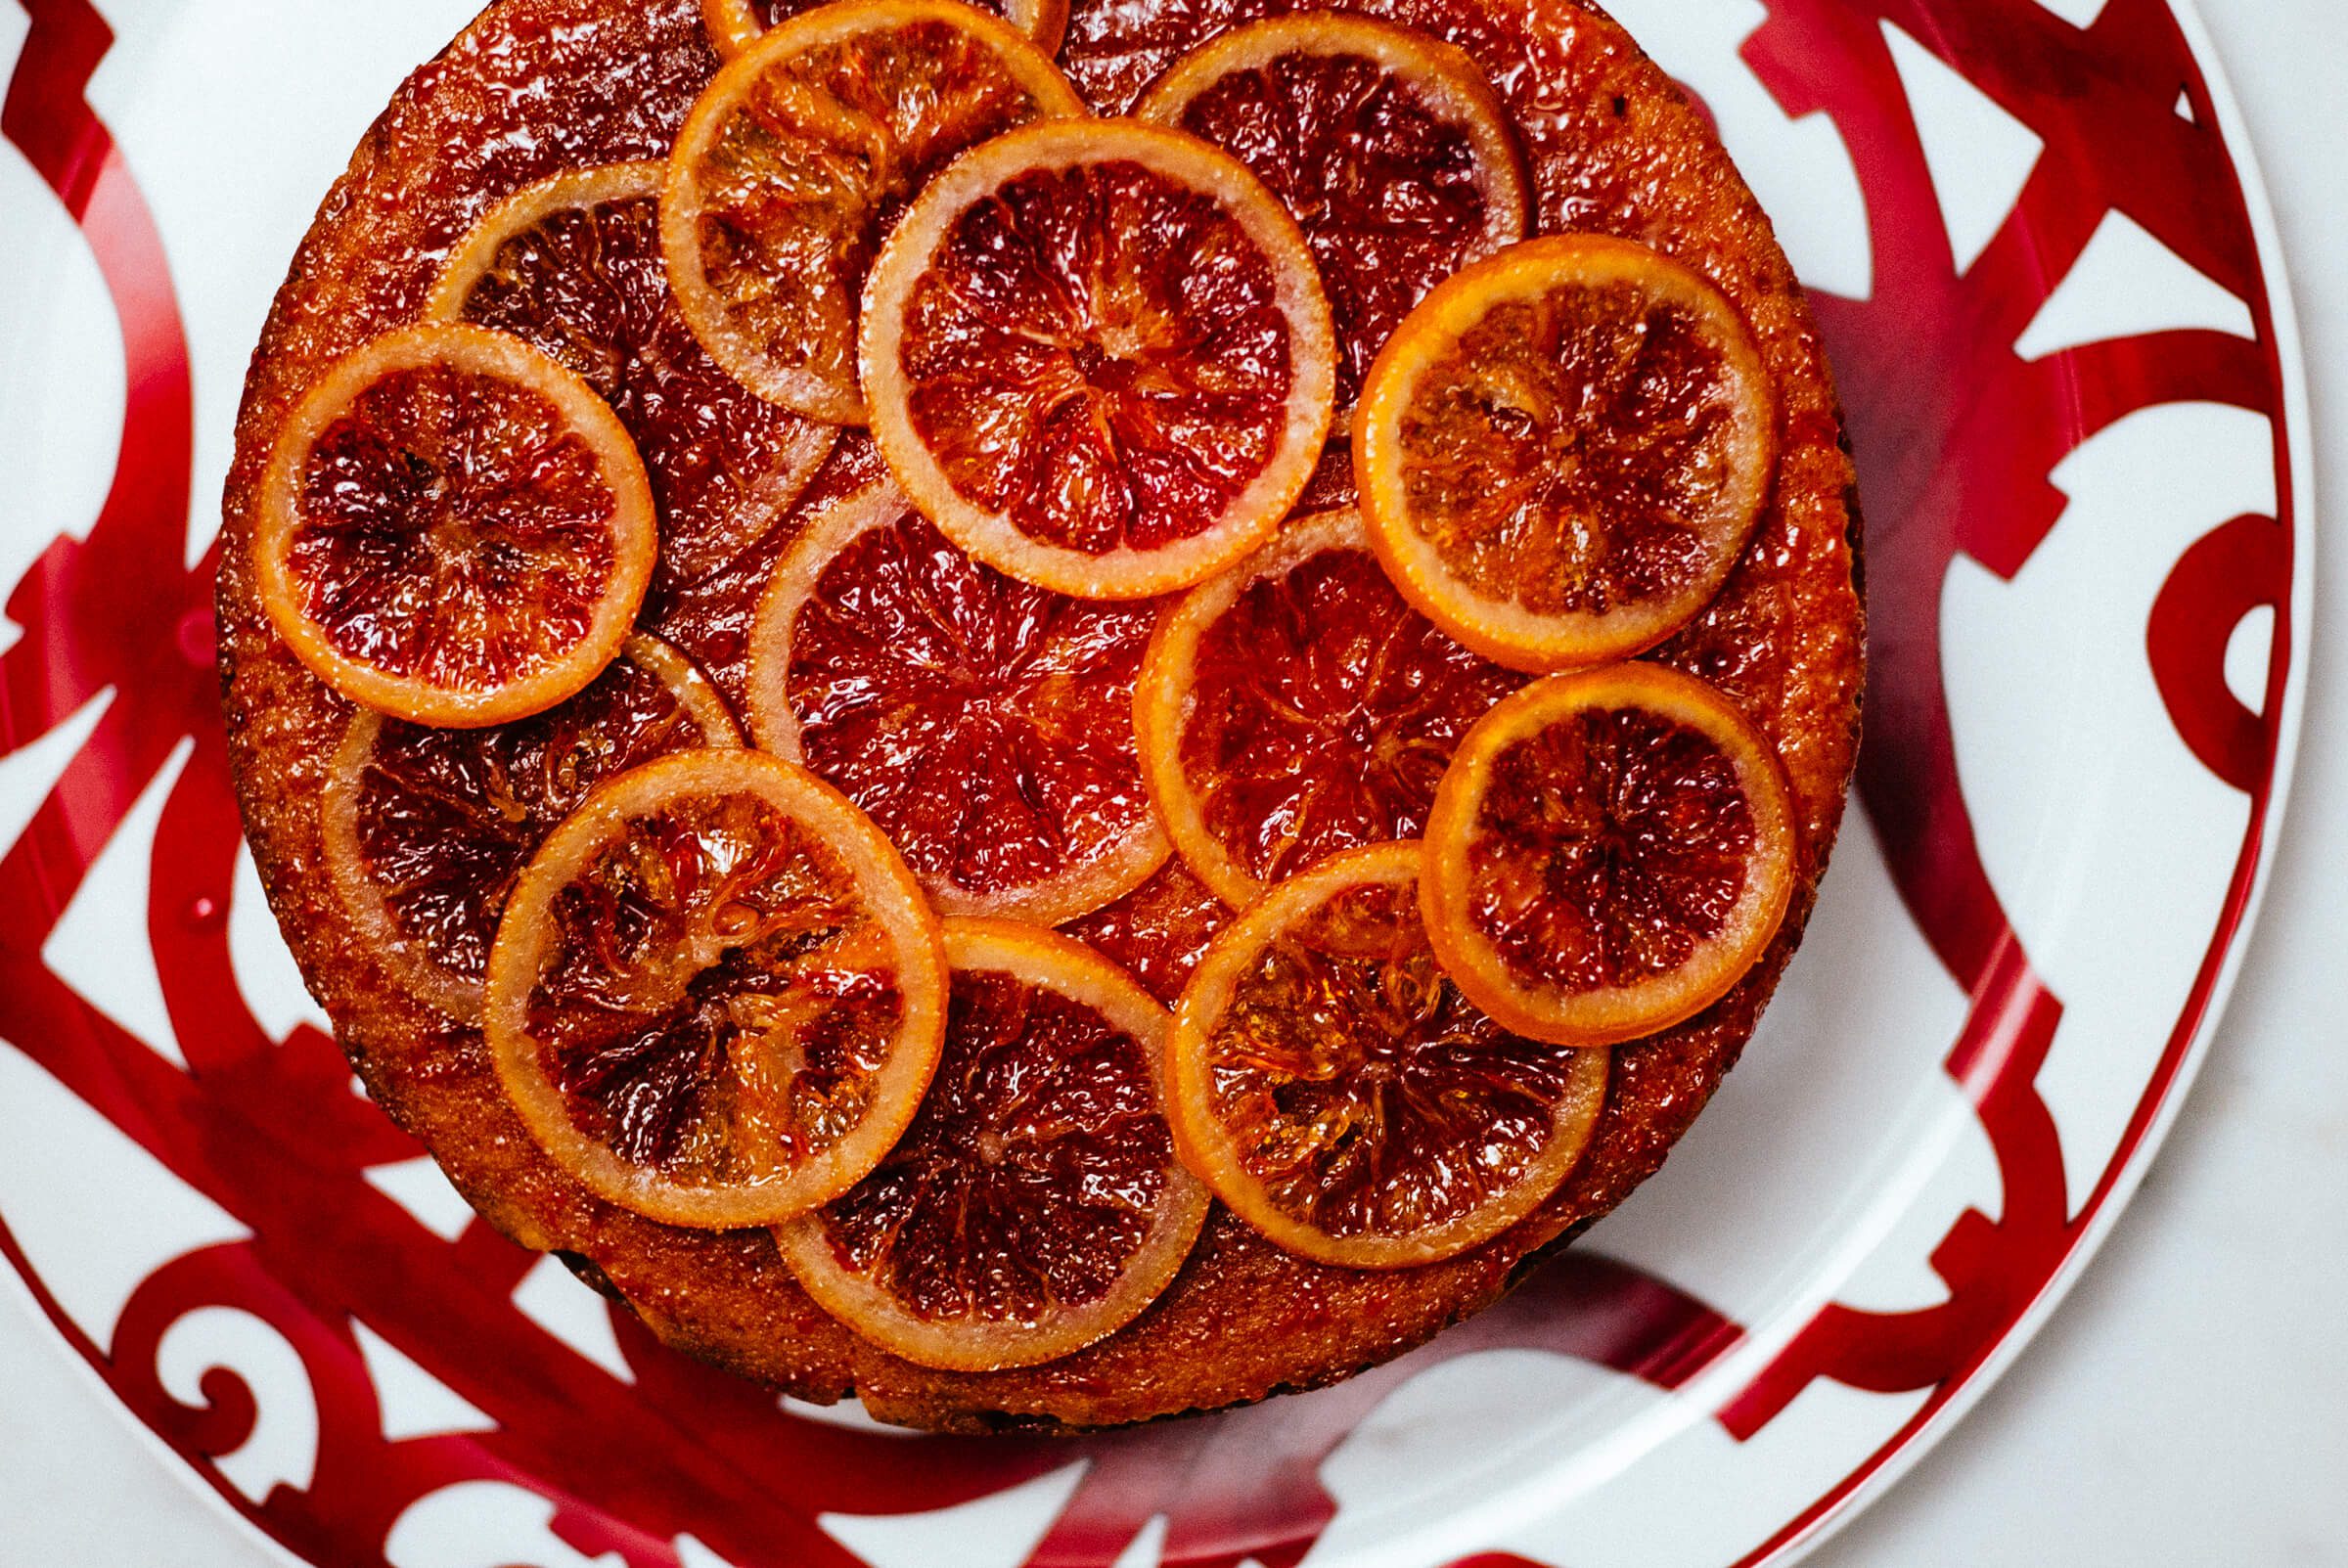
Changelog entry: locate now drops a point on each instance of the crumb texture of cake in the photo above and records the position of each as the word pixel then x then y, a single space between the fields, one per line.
pixel 1054 713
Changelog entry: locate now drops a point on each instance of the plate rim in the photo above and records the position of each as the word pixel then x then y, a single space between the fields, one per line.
pixel 1861 1489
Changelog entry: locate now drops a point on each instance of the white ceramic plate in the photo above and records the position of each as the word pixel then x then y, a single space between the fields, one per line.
pixel 2051 291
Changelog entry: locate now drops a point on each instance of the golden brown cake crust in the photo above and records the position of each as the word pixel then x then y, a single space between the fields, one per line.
pixel 1613 146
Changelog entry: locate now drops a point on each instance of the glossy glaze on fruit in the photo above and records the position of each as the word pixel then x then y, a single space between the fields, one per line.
pixel 1620 153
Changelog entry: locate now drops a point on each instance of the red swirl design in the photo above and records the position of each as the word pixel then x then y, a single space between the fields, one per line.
pixel 268 1130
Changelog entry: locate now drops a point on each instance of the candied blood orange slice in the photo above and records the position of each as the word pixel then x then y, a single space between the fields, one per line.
pixel 426 829
pixel 1036 1204
pixel 573 266
pixel 1099 357
pixel 985 724
pixel 800 152
pixel 1609 853
pixel 453 528
pixel 1343 1096
pixel 1297 706
pixel 736 25
pixel 1562 450
pixel 1389 147
pixel 716 994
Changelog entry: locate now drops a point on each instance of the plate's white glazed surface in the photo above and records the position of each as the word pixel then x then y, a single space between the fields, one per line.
pixel 2073 393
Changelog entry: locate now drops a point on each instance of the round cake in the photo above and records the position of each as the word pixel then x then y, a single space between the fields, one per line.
pixel 755 569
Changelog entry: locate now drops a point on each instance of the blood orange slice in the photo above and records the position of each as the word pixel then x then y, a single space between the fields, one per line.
pixel 1036 1204
pixel 1296 705
pixel 453 528
pixel 1345 1098
pixel 798 155
pixel 1389 147
pixel 736 25
pixel 1099 357
pixel 984 722
pixel 426 829
pixel 1564 449
pixel 716 994
pixel 1609 853
pixel 573 266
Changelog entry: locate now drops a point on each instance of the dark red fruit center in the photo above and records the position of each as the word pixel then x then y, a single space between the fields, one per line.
pixel 1362 1091
pixel 714 1001
pixel 711 619
pixel 985 724
pixel 1325 712
pixel 1113 50
pixel 1573 452
pixel 1159 932
pixel 452 529
pixel 1031 1176
pixel 1099 353
pixel 1390 194
pixel 588 287
pixel 1610 845
pixel 448 818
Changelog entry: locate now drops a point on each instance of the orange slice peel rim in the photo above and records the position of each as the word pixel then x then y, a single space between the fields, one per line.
pixel 916 951
pixel 732 28
pixel 1207 1145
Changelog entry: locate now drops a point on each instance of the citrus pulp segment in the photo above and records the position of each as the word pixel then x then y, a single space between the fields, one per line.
pixel 711 621
pixel 985 724
pixel 1387 146
pixel 736 25
pixel 1345 1098
pixel 1564 449
pixel 1297 706
pixel 424 830
pixel 1099 358
pixel 1036 1204
pixel 573 266
pixel 1609 853
pixel 453 528
pixel 716 994
pixel 798 155
pixel 1158 931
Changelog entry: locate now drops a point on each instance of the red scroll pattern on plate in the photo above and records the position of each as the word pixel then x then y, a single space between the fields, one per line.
pixel 270 1131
